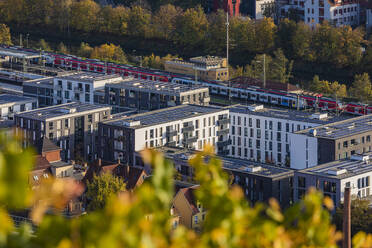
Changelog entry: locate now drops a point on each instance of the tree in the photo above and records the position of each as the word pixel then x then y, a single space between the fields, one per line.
pixel 109 52
pixel 338 90
pixel 43 45
pixel 84 15
pixel 361 87
pixel 101 188
pixel 139 22
pixel 320 86
pixel 361 216
pixel 85 50
pixel 142 218
pixel 165 21
pixel 216 38
pixel 5 37
pixel 280 67
pixel 62 48
pixel 191 27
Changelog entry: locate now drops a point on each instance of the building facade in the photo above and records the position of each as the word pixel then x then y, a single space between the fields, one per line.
pixel 41 89
pixel 332 178
pixel 335 141
pixel 258 9
pixel 71 126
pixel 151 95
pixel 203 68
pixel 189 126
pixel 262 134
pixel 12 104
pixel 81 87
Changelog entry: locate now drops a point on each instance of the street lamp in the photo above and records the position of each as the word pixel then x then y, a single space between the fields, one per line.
pixel 27 40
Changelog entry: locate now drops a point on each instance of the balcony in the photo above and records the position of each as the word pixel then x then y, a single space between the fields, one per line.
pixel 172 143
pixel 190 140
pixel 171 133
pixel 78 90
pixel 223 121
pixel 188 129
pixel 223 132
pixel 224 143
pixel 224 152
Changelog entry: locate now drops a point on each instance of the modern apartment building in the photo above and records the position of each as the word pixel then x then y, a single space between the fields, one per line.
pixel 11 104
pixel 204 67
pixel 332 178
pixel 81 87
pixel 259 181
pixel 261 134
pixel 151 95
pixel 188 126
pixel 337 12
pixel 335 141
pixel 258 8
pixel 71 126
pixel 41 89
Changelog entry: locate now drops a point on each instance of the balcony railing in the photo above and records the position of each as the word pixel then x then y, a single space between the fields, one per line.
pixel 190 140
pixel 223 121
pixel 171 133
pixel 172 143
pixel 188 129
pixel 224 143
pixel 78 90
pixel 223 131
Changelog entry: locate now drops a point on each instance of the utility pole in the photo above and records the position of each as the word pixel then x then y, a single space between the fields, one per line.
pixel 227 52
pixel 27 40
pixel 20 40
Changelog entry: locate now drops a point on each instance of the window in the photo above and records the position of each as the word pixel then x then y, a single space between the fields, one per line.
pixel 51 125
pixel 67 123
pixel 196 219
pixel 258 123
pixel 270 125
pixel 36 178
pixel 279 126
pixel 90 118
pixel 302 182
pixel 87 98
pixel 287 127
pixel 69 85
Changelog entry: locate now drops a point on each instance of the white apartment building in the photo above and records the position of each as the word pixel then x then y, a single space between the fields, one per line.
pixel 84 87
pixel 332 178
pixel 336 12
pixel 257 8
pixel 189 126
pixel 262 134
pixel 11 104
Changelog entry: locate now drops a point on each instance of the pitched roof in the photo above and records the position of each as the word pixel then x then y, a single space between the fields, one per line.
pixel 189 194
pixel 46 145
pixel 41 163
pixel 131 175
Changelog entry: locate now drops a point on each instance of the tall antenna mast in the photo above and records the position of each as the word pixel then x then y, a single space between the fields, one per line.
pixel 227 51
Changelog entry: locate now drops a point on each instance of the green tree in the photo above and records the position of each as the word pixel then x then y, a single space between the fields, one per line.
pixel 191 27
pixel 62 48
pixel 109 52
pixel 280 67
pixel 361 87
pixel 43 45
pixel 361 216
pixel 216 38
pixel 5 37
pixel 320 86
pixel 85 50
pixel 338 90
pixel 101 188
pixel 139 22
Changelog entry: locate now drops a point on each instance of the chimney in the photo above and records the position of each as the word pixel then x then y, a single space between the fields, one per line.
pixel 346 243
pixel 99 162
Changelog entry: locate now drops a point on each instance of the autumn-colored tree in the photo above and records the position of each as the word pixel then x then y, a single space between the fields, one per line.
pixel 361 87
pixel 109 52
pixel 43 45
pixel 280 67
pixel 84 15
pixel 153 61
pixel 5 37
pixel 338 90
pixel 113 20
pixel 85 50
pixel 320 86
pixel 142 218
pixel 216 39
pixel 138 23
pixel 191 27
pixel 62 48
pixel 164 21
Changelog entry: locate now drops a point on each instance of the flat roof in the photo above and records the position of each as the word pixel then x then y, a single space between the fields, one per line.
pixel 8 99
pixel 342 169
pixel 156 86
pixel 62 110
pixel 165 115
pixel 88 77
pixel 44 82
pixel 232 164
pixel 12 52
pixel 341 129
pixel 286 114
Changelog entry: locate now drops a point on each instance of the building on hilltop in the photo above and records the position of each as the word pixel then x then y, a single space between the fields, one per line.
pixel 335 141
pixel 145 95
pixel 203 67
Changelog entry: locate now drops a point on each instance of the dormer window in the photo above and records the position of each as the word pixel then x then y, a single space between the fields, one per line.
pixel 36 178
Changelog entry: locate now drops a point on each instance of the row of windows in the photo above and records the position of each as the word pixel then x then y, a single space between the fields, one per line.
pixel 79 87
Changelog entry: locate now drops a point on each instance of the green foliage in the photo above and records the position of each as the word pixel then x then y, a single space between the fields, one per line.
pixel 44 46
pixel 62 48
pixel 361 216
pixel 101 188
pixel 361 87
pixel 280 67
pixel 85 50
pixel 5 37
pixel 142 218
pixel 109 52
